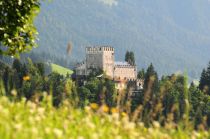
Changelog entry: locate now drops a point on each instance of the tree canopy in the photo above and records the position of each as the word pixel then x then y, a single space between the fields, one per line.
pixel 205 80
pixel 130 58
pixel 17 31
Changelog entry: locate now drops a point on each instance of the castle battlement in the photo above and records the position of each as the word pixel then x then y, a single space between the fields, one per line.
pixel 123 65
pixel 99 49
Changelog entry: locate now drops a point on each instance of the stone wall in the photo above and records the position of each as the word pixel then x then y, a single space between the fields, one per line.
pixel 125 73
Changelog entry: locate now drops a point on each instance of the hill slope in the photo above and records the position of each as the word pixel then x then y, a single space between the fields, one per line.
pixel 61 70
pixel 174 35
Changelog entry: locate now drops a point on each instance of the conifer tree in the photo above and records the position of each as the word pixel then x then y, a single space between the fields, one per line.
pixel 141 74
pixel 151 76
pixel 205 80
pixel 130 58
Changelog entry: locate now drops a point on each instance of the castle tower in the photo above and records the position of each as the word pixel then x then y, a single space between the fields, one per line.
pixel 108 61
pixel 100 57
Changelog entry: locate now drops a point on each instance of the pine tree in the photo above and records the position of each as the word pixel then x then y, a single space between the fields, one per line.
pixel 205 80
pixel 141 74
pixel 127 56
pixel 130 58
pixel 151 77
pixel 202 79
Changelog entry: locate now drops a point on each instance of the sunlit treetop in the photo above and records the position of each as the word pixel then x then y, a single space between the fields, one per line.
pixel 17 31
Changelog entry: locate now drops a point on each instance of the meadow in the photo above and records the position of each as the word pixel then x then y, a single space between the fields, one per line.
pixel 25 119
pixel 61 70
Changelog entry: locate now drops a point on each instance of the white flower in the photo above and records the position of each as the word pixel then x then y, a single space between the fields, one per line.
pixel 14 92
pixel 80 137
pixel 58 132
pixel 41 111
pixel 47 130
pixel 18 126
pixel 156 124
pixel 34 130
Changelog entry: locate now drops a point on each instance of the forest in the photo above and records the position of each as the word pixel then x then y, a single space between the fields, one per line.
pixel 166 99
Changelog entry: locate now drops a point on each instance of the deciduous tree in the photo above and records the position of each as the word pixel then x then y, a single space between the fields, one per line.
pixel 17 31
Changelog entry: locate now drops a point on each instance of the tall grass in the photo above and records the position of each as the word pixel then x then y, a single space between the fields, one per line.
pixel 25 119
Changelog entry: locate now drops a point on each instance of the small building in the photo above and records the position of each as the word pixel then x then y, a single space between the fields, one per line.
pixel 124 71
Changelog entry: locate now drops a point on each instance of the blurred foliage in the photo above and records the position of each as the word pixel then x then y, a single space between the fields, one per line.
pixel 17 31
pixel 26 119
pixel 168 100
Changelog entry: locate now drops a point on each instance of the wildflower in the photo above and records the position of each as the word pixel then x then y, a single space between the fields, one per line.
pixel 156 124
pixel 145 129
pixel 32 111
pixel 105 108
pixel 14 92
pixel 31 105
pixel 34 130
pixel 26 78
pixel 41 111
pixel 140 124
pixel 114 110
pixel 130 126
pixel 150 130
pixel 47 130
pixel 31 120
pixel 95 136
pixel 94 106
pixel 124 114
pixel 118 137
pixel 87 109
pixel 91 125
pixel 18 126
pixel 5 111
pixel 115 116
pixel 196 134
pixel 80 137
pixel 58 132
pixel 37 118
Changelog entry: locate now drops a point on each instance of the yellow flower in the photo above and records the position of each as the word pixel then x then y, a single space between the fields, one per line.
pixel 124 114
pixel 26 78
pixel 94 106
pixel 105 108
pixel 114 110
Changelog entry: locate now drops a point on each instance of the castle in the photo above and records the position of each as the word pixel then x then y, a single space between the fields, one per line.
pixel 103 58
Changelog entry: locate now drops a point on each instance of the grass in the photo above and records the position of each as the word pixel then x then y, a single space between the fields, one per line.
pixel 23 120
pixel 61 70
